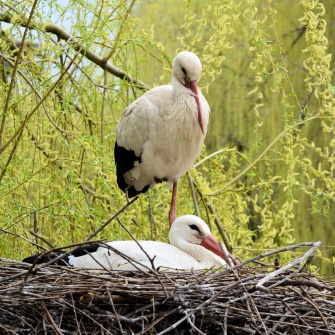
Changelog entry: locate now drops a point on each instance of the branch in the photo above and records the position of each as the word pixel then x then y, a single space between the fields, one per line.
pixel 300 261
pixel 76 45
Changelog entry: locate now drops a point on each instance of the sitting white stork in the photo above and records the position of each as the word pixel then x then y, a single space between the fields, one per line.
pixel 161 133
pixel 192 246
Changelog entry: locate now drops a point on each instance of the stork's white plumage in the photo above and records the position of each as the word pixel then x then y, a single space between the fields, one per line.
pixel 161 133
pixel 192 247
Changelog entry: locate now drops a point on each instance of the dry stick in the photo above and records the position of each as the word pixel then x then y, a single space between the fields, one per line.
pixel 282 319
pixel 22 237
pixel 7 331
pixel 51 320
pixel 207 204
pixel 195 202
pixel 293 312
pixel 266 254
pixel 300 261
pixel 151 260
pixel 43 239
pixel 247 295
pixel 306 298
pixel 92 56
pixel 194 326
pixel 155 322
pixel 225 321
pixel 153 270
pixel 244 330
pixel 80 311
pixel 199 307
pixel 114 310
pixel 75 314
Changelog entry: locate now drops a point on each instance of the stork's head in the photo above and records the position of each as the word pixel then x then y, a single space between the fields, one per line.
pixel 191 229
pixel 186 69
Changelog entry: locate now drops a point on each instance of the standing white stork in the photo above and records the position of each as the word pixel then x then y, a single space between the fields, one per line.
pixel 161 133
pixel 192 246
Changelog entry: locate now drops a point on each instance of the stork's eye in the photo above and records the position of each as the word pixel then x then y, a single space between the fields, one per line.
pixel 184 71
pixel 194 227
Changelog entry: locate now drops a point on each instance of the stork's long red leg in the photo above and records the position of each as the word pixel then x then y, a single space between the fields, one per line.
pixel 173 207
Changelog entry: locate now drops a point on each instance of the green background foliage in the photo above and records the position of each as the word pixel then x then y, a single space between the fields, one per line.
pixel 267 170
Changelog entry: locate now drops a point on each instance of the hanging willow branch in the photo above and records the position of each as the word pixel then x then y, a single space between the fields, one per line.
pixel 76 45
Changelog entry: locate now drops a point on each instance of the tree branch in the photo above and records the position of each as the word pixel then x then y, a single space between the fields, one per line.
pixel 76 45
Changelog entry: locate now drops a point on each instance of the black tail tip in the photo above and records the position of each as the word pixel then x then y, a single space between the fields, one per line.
pixel 42 258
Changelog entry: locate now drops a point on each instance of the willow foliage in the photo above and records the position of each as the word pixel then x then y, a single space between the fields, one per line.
pixel 267 172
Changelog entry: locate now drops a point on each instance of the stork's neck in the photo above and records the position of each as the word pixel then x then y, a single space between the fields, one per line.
pixel 179 88
pixel 184 99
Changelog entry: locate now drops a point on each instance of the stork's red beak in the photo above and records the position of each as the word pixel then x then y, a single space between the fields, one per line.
pixel 192 85
pixel 213 245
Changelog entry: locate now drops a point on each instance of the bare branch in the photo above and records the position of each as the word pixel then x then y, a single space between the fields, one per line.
pixel 300 261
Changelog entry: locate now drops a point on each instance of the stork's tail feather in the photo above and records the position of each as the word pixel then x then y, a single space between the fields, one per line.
pixel 47 256
pixel 125 161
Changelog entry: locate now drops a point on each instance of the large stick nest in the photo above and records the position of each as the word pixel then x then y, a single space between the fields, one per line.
pixel 242 300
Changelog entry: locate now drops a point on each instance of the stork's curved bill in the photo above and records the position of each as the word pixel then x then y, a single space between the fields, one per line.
pixel 193 86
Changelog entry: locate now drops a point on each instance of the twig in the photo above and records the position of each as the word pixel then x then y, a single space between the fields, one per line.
pixel 225 321
pixel 195 202
pixel 267 254
pixel 65 254
pixel 307 298
pixel 21 237
pixel 194 326
pixel 151 260
pixel 111 219
pixel 208 206
pixel 300 261
pixel 52 321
